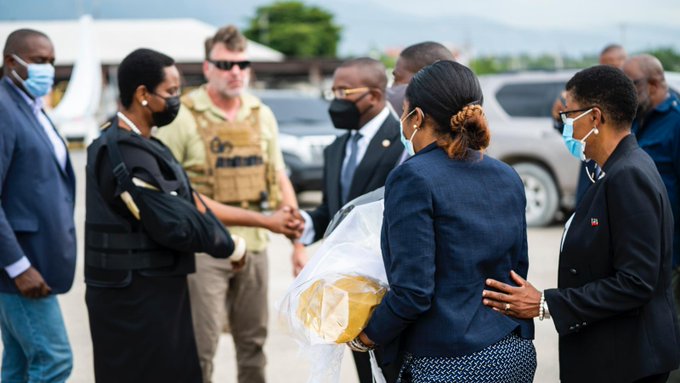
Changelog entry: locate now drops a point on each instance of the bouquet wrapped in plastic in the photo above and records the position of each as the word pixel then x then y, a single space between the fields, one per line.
pixel 332 299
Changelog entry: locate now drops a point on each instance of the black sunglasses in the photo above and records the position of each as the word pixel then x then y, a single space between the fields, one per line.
pixel 227 65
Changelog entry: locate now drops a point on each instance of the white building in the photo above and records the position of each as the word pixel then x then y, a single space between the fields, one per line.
pixel 181 39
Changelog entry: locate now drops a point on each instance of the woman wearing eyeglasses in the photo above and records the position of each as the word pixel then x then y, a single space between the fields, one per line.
pixel 613 304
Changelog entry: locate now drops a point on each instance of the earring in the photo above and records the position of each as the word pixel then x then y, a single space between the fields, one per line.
pixel 145 103
pixel 415 126
pixel 596 130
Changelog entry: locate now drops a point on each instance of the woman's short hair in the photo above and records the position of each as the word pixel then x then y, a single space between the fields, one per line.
pixel 450 94
pixel 141 67
pixel 607 88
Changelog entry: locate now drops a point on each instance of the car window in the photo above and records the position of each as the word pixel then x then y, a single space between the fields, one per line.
pixel 531 99
pixel 294 110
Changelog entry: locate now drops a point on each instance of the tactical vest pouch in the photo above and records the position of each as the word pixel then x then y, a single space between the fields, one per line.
pixel 234 159
pixel 240 173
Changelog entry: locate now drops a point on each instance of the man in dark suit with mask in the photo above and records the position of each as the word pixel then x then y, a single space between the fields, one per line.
pixel 360 160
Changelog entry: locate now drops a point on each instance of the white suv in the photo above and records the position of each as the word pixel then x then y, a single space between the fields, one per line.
pixel 517 107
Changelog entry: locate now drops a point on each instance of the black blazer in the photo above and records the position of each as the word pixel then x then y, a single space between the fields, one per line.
pixel 382 155
pixel 613 307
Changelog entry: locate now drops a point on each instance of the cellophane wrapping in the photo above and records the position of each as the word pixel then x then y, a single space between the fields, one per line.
pixel 332 299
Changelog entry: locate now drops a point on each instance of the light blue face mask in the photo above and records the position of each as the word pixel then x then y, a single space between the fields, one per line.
pixel 40 77
pixel 576 147
pixel 408 144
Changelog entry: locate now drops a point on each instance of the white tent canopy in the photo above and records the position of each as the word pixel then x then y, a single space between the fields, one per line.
pixel 181 39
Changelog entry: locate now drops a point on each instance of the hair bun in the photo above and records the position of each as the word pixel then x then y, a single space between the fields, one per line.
pixel 458 120
pixel 469 130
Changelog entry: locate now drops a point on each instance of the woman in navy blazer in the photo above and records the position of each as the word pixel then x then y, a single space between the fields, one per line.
pixel 613 306
pixel 453 217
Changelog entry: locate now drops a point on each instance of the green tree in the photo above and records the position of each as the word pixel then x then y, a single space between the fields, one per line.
pixel 295 29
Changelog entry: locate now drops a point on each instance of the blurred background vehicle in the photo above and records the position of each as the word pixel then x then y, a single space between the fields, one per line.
pixel 305 129
pixel 517 106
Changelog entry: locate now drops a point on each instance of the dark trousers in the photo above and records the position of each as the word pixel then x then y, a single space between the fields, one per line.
pixel 143 333
pixel 363 363
pixel 660 378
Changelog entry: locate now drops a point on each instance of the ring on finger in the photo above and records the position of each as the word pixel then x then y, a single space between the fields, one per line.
pixel 507 307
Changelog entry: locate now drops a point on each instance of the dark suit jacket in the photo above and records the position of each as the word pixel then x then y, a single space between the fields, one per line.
pixel 448 225
pixel 613 307
pixel 369 175
pixel 36 219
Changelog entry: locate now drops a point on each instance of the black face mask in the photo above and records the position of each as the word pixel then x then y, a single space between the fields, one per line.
pixel 345 114
pixel 169 114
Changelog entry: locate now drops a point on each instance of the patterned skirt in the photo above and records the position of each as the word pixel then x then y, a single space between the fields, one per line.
pixel 510 360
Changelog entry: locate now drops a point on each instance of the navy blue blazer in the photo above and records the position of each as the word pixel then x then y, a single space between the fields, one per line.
pixel 448 225
pixel 36 219
pixel 613 307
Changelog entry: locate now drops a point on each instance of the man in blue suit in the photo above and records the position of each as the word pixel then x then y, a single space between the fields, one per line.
pixel 37 232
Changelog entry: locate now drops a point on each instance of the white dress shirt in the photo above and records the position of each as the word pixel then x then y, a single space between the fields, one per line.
pixel 59 151
pixel 368 131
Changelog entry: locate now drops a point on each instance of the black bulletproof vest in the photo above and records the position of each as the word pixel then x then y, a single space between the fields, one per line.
pixel 117 242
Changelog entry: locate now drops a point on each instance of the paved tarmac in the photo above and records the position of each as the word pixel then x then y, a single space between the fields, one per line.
pixel 284 362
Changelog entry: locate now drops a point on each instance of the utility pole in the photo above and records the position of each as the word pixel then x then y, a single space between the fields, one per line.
pixel 263 25
pixel 623 27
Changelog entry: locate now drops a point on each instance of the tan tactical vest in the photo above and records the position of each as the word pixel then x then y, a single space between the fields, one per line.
pixel 234 170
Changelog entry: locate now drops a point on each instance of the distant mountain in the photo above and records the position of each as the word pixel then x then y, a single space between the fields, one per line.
pixel 368 25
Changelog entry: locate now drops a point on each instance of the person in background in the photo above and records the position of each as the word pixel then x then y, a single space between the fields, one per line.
pixel 613 55
pixel 37 230
pixel 227 141
pixel 358 161
pixel 613 306
pixel 453 216
pixel 412 59
pixel 657 129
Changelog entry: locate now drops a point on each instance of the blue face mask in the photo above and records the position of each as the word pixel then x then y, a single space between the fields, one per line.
pixel 576 147
pixel 40 77
pixel 408 144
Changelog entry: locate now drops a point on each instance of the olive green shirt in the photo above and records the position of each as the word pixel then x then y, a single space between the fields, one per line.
pixel 184 140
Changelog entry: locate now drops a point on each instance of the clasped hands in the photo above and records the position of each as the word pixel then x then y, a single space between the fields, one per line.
pixel 287 221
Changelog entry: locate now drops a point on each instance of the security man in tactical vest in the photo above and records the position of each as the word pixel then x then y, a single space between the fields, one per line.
pixel 227 141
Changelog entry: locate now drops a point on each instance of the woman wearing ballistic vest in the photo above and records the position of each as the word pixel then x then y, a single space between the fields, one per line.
pixel 143 225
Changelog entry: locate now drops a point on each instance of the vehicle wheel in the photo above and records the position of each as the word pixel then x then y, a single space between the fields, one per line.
pixel 541 192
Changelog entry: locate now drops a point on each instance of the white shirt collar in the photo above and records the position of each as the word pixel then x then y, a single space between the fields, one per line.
pixel 34 103
pixel 373 125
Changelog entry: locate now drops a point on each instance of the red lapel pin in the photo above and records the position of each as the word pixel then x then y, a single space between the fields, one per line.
pixel 594 222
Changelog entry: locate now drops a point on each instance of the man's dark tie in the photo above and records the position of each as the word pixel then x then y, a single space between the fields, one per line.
pixel 348 171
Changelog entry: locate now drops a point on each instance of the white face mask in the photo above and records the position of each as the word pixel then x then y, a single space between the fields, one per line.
pixel 408 144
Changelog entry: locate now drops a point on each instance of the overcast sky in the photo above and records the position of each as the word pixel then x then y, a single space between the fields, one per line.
pixel 489 26
pixel 548 13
